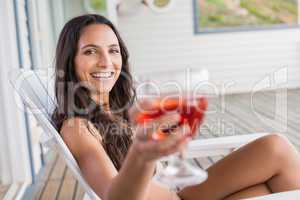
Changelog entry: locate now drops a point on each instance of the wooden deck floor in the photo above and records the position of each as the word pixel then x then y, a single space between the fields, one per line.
pixel 3 190
pixel 228 115
pixel 56 182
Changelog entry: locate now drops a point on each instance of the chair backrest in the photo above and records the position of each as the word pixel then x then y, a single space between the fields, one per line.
pixel 36 91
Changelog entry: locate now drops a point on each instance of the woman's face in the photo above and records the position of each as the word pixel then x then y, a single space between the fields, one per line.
pixel 98 60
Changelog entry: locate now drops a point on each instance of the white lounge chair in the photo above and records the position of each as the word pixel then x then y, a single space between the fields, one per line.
pixel 36 91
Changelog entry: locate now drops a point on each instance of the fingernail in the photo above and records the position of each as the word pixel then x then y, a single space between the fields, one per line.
pixel 188 138
pixel 176 115
pixel 186 128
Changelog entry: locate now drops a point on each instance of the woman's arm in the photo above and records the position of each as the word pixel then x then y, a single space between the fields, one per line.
pixel 133 181
pixel 94 163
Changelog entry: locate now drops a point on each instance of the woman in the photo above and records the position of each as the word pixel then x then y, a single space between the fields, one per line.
pixel 94 90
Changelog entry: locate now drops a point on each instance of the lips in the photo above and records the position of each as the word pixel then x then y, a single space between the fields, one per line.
pixel 103 75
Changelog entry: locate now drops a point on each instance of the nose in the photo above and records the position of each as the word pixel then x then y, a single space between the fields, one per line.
pixel 104 60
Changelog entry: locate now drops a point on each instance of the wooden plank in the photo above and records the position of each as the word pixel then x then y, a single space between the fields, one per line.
pixel 79 192
pixel 238 107
pixel 67 189
pixel 271 127
pixel 215 159
pixel 51 190
pixel 293 100
pixel 292 115
pixel 52 187
pixel 266 108
pixel 241 109
pixel 237 111
pixel 3 190
pixel 203 162
pixel 59 169
pixel 234 110
pixel 40 185
pixel 206 162
pixel 220 122
pixel 12 191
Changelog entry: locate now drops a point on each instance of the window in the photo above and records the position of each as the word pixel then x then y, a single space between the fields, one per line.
pixel 232 15
pixel 161 3
pixel 95 6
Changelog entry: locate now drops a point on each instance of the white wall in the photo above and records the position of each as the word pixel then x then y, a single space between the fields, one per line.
pixel 35 48
pixel 43 40
pixel 14 154
pixel 162 42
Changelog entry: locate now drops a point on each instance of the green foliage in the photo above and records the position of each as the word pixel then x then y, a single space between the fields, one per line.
pixel 99 5
pixel 161 3
pixel 234 13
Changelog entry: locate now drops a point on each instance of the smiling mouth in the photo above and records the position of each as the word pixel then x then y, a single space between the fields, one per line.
pixel 102 75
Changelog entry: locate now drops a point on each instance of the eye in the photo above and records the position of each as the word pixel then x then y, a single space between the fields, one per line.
pixel 115 51
pixel 90 52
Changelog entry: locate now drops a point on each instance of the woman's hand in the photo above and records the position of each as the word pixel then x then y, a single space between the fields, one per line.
pixel 150 149
pixel 139 106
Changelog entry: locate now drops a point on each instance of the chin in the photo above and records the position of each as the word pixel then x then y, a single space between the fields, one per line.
pixel 105 90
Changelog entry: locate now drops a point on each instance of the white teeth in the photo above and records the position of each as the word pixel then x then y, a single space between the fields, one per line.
pixel 102 74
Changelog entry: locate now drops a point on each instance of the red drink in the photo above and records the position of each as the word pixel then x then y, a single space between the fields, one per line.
pixel 191 111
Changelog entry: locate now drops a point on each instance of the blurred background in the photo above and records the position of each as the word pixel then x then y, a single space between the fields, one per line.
pixel 246 45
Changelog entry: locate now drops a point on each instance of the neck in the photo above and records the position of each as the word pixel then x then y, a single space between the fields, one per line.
pixel 103 100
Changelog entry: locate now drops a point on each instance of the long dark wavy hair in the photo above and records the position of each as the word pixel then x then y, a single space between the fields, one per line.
pixel 73 99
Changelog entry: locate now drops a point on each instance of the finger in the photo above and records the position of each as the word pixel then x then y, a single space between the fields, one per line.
pixel 184 130
pixel 140 106
pixel 156 149
pixel 144 105
pixel 143 132
pixel 163 125
pixel 180 133
pixel 171 142
pixel 167 121
pixel 175 140
pixel 177 148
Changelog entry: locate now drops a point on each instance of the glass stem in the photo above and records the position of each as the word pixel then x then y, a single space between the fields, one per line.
pixel 178 160
pixel 182 154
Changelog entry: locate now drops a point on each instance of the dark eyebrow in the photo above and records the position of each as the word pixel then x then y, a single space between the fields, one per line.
pixel 114 45
pixel 96 46
pixel 90 45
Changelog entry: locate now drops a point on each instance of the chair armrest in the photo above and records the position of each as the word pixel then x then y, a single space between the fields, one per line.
pixel 295 194
pixel 217 146
pixel 46 140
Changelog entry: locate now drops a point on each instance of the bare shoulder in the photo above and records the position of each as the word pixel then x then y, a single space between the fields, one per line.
pixel 90 155
pixel 80 135
pixel 73 124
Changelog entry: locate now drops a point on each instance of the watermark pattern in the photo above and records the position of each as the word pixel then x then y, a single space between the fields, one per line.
pixel 276 79
pixel 181 86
